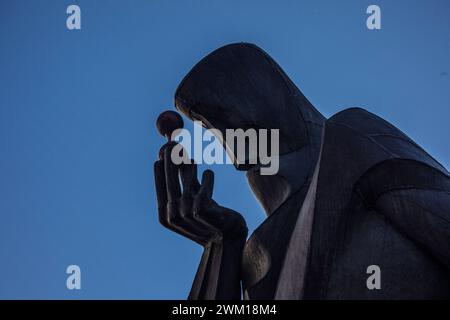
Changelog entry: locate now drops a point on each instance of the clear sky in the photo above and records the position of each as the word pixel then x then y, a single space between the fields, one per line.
pixel 78 111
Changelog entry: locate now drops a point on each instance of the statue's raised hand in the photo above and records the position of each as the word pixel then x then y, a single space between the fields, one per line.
pixel 188 208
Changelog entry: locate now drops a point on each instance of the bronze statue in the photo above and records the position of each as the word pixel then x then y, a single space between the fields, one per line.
pixel 351 191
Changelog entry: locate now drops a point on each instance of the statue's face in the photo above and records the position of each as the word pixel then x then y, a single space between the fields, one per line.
pixel 221 118
pixel 240 87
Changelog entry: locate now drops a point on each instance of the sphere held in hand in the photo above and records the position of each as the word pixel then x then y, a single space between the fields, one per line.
pixel 168 122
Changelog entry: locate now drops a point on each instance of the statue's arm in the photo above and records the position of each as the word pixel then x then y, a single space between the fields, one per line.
pixel 219 273
pixel 415 198
pixel 191 212
pixel 423 216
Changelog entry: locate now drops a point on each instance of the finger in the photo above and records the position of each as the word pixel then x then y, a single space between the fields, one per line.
pixel 176 220
pixel 188 222
pixel 188 173
pixel 203 198
pixel 207 186
pixel 171 173
pixel 172 218
pixel 161 192
pixel 181 226
pixel 191 185
pixel 168 214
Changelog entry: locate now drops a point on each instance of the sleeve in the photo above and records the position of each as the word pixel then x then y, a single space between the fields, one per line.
pixel 415 198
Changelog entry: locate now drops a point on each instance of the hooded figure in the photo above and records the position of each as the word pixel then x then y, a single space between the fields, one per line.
pixel 357 210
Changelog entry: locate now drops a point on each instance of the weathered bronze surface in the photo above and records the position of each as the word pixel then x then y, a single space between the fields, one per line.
pixel 352 191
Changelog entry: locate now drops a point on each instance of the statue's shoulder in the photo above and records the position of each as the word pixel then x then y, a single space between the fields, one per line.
pixel 362 156
pixel 366 123
pixel 365 130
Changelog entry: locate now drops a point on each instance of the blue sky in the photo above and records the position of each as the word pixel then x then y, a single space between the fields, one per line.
pixel 78 112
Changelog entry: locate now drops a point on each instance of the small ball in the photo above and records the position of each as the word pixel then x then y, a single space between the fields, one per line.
pixel 168 122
